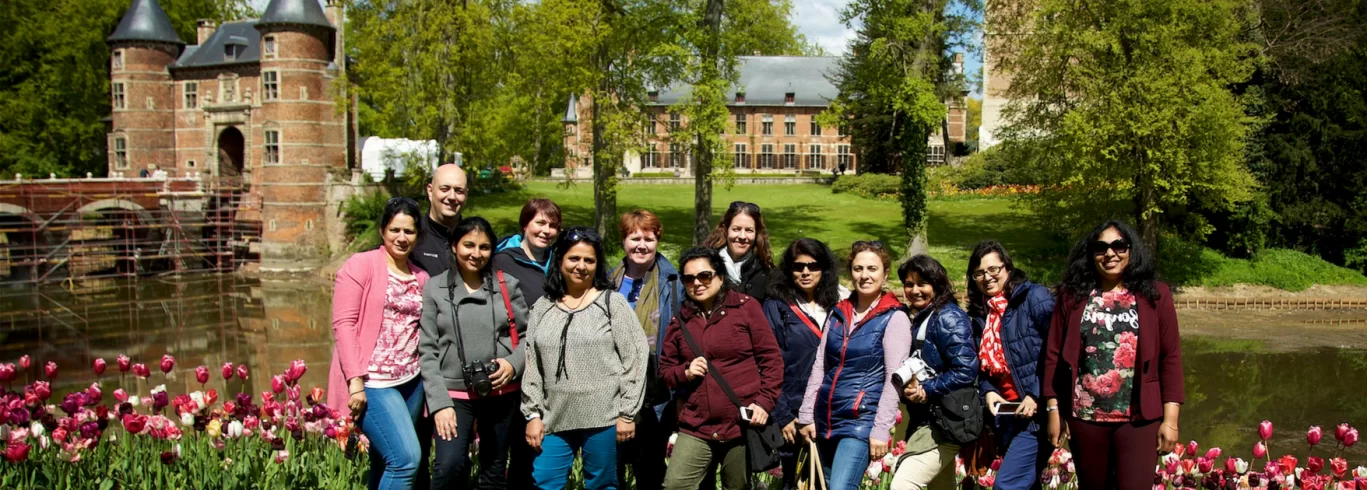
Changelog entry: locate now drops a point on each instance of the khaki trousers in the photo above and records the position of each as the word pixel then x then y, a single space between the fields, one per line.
pixel 932 470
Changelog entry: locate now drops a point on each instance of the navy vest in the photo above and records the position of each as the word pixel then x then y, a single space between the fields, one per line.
pixel 853 382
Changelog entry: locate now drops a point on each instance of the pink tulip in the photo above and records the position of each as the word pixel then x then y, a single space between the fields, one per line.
pixel 242 372
pixel 202 374
pixel 8 373
pixel 1213 453
pixel 25 362
pixel 1340 431
pixel 1339 467
pixel 167 363
pixel 1351 437
pixel 1192 448
pixel 124 363
pixel 227 371
pixel 1259 449
pixel 296 370
pixel 16 452
pixel 1204 465
pixel 140 370
pixel 50 370
pixel 99 366
pixel 277 383
pixel 42 390
pixel 1265 430
pixel 292 392
pixel 1229 465
pixel 120 395
pixel 1313 435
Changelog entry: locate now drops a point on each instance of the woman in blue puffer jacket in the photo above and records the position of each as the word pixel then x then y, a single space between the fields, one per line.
pixel 1011 319
pixel 944 342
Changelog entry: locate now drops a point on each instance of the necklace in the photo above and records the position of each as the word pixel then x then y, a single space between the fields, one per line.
pixel 582 299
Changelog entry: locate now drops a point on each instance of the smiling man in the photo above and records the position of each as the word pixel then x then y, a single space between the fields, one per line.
pixel 447 193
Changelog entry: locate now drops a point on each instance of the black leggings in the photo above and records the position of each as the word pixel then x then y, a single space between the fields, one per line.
pixel 496 417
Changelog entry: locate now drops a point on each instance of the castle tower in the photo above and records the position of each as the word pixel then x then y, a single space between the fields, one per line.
pixel 303 137
pixel 141 92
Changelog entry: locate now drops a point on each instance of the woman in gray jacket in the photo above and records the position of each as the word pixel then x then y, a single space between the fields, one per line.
pixel 471 356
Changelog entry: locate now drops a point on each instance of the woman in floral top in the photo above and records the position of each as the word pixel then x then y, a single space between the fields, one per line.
pixel 1113 363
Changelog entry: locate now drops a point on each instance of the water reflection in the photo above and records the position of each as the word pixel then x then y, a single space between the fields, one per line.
pixel 208 320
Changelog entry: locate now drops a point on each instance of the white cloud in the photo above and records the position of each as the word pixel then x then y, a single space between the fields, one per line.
pixel 819 20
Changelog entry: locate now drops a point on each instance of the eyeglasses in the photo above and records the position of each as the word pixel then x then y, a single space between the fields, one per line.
pixel 705 276
pixel 1099 247
pixel 807 266
pixel 993 270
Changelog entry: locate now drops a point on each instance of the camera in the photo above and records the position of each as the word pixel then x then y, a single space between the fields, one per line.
pixel 477 377
pixel 913 366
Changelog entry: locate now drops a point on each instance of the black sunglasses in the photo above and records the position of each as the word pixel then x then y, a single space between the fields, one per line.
pixel 1099 247
pixel 871 244
pixel 401 199
pixel 808 266
pixel 583 234
pixel 738 205
pixel 705 276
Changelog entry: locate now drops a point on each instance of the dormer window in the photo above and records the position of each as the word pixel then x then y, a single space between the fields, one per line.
pixel 740 97
pixel 268 46
pixel 234 48
pixel 653 96
pixel 789 98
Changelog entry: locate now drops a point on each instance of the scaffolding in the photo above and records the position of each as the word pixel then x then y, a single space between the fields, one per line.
pixel 57 229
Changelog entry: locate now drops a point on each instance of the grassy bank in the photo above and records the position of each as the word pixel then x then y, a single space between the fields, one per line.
pixel 793 211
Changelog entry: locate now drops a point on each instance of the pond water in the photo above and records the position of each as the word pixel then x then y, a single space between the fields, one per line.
pixel 1233 379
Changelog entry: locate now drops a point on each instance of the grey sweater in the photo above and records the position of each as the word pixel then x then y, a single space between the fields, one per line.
pixel 483 321
pixel 603 375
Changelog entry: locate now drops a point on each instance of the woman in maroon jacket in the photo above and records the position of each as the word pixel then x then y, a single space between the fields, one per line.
pixel 736 340
pixel 1113 362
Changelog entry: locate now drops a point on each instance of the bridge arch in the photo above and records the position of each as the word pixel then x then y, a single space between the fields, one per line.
pixel 105 204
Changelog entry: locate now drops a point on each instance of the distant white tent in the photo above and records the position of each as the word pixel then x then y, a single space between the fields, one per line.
pixel 381 154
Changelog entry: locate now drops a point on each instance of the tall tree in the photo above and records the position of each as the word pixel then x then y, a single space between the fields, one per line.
pixel 1124 107
pixel 54 88
pixel 893 87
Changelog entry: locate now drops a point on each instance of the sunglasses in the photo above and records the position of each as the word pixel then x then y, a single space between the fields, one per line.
pixel 807 266
pixel 1099 247
pixel 583 234
pixel 705 276
pixel 870 244
pixel 401 199
pixel 738 205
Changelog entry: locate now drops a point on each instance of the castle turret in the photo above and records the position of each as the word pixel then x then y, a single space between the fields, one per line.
pixel 142 131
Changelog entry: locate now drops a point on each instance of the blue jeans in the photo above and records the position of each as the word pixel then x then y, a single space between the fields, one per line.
pixel 844 460
pixel 551 468
pixel 390 421
pixel 1021 442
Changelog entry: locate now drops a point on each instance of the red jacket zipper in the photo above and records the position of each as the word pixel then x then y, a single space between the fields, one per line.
pixel 831 397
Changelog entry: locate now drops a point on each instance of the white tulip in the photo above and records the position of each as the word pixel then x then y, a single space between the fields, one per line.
pixel 187 419
pixel 133 400
pixel 1240 466
pixel 37 429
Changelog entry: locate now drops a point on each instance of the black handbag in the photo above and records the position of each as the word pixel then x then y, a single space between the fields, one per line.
pixel 761 443
pixel 959 414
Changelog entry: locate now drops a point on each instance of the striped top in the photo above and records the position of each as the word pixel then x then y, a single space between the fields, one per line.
pixel 584 367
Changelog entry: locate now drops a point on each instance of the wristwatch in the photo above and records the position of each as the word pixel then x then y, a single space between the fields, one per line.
pixel 1051 408
pixel 533 416
pixel 627 417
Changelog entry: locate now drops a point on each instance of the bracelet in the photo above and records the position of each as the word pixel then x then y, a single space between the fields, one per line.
pixel 1051 408
pixel 358 391
pixel 1165 424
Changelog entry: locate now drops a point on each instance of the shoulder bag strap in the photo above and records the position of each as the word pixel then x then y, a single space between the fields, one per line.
pixel 711 369
pixel 508 304
pixel 806 320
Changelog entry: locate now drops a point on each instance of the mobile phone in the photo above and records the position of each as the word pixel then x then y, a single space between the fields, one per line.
pixel 1006 408
pixel 745 413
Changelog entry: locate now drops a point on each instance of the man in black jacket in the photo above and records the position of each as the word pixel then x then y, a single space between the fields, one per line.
pixel 446 193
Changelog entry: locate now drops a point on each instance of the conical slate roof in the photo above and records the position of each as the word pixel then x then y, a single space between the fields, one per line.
pixel 572 112
pixel 146 21
pixel 306 12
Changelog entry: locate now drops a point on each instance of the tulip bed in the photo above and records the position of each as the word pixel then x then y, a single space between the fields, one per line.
pixel 286 438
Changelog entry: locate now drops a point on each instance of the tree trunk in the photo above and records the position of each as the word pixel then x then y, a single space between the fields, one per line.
pixel 702 169
pixel 1144 198
pixel 913 189
pixel 604 174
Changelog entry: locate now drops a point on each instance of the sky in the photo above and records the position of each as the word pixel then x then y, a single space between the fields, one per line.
pixel 819 20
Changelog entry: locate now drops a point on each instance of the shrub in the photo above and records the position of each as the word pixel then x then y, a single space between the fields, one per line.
pixel 362 213
pixel 871 186
pixel 989 168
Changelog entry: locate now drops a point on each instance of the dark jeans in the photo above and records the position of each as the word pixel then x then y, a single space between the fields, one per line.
pixel 493 418
pixel 1114 455
pixel 788 457
pixel 520 455
pixel 646 452
pixel 1024 452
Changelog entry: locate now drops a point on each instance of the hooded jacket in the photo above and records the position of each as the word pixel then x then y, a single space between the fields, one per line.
pixel 531 276
pixel 854 371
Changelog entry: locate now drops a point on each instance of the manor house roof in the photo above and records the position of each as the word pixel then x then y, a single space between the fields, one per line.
pixel 244 38
pixel 766 81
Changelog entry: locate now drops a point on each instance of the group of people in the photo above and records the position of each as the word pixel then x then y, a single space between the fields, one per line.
pixel 538 349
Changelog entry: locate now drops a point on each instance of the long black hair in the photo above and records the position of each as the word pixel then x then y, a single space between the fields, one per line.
pixel 401 205
pixel 977 301
pixel 827 292
pixel 718 267
pixel 467 225
pixel 1081 277
pixel 555 280
pixel 932 272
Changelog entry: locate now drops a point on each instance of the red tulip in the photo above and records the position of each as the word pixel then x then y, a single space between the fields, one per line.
pixel 42 390
pixel 59 434
pixel 1339 466
pixel 1314 464
pixel 227 371
pixel 242 372
pixel 229 407
pixel 134 423
pixel 8 373
pixel 277 383
pixel 1351 437
pixel 124 363
pixel 210 397
pixel 1188 466
pixel 99 366
pixel 1313 435
pixel 267 397
pixel 16 452
pixel 1229 466
pixel 167 363
pixel 296 370
pixel 1265 430
pixel 50 370
pixel 140 370
pixel 1259 449
pixel 25 362
pixel 1213 453
pixel 1204 465
pixel 1288 464
pixel 120 395
pixel 202 374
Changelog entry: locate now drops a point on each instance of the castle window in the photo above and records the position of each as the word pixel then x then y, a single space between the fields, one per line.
pixel 790 156
pixel 789 97
pixel 117 62
pixel 651 158
pixel 740 123
pixel 676 155
pixel 816 126
pixel 120 152
pixel 767 125
pixel 844 157
pixel 674 121
pixel 189 164
pixel 815 160
pixel 653 96
pixel 742 157
pixel 935 155
pixel 268 46
pixel 766 156
pixel 272 147
pixel 790 125
pixel 119 100
pixel 191 95
pixel 270 84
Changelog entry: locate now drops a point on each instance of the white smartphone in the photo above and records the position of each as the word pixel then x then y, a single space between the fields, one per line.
pixel 745 413
pixel 1006 408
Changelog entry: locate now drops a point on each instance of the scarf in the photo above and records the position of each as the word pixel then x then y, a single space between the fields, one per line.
pixel 992 353
pixel 648 303
pixel 733 266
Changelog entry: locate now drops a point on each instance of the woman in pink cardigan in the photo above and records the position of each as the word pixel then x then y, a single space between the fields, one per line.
pixel 376 306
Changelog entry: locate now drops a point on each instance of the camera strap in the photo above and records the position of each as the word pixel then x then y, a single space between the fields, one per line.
pixel 455 315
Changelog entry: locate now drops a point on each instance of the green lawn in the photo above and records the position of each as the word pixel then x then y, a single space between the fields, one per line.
pixel 793 211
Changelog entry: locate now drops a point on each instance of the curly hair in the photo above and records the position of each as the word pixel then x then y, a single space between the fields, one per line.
pixel 1081 277
pixel 977 301
pixel 827 292
pixel 932 272
pixel 761 250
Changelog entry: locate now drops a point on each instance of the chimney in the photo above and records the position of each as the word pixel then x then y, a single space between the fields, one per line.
pixel 958 63
pixel 205 29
